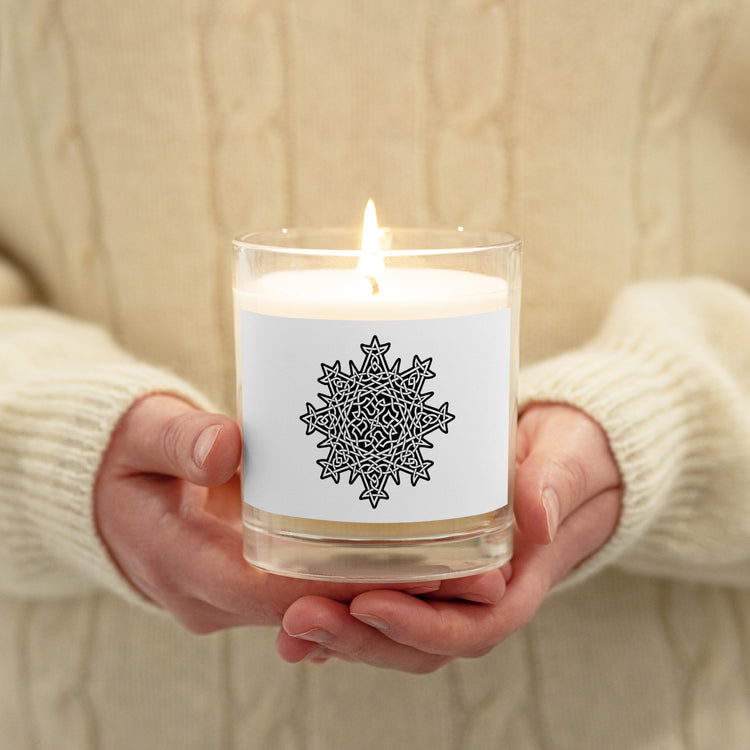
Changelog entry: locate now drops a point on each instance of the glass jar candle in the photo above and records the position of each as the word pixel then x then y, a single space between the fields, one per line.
pixel 377 397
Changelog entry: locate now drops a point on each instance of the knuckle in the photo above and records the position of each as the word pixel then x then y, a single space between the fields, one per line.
pixel 475 649
pixel 189 513
pixel 198 625
pixel 479 651
pixel 173 439
pixel 430 665
pixel 572 473
pixel 204 628
pixel 462 645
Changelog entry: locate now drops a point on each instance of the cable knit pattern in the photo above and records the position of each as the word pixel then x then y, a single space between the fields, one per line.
pixel 684 50
pixel 136 138
pixel 471 101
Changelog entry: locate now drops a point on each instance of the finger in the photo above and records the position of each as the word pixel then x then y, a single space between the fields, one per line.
pixel 314 622
pixel 182 548
pixel 457 629
pixel 295 650
pixel 566 460
pixel 583 533
pixel 485 588
pixel 224 502
pixel 196 556
pixel 165 435
pixel 442 628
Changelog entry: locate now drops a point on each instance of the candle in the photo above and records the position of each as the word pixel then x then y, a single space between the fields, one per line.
pixel 377 399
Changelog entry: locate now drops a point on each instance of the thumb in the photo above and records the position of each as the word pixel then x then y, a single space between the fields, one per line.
pixel 163 434
pixel 566 461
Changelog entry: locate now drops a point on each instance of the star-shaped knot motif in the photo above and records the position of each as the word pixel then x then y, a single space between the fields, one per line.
pixel 375 420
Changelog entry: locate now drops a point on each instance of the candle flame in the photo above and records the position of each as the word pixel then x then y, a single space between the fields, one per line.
pixel 371 265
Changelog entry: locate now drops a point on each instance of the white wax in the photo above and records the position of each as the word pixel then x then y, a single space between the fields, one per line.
pixel 403 294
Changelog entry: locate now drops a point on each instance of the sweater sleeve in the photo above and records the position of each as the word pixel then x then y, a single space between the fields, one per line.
pixel 64 385
pixel 668 378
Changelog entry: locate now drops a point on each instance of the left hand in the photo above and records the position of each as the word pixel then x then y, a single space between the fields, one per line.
pixel 567 504
pixel 167 507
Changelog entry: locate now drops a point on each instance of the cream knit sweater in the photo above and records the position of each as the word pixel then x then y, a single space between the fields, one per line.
pixel 137 136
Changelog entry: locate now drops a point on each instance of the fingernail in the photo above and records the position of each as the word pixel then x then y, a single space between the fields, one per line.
pixel 507 571
pixel 477 598
pixel 426 588
pixel 316 635
pixel 205 443
pixel 551 504
pixel 372 621
pixel 318 655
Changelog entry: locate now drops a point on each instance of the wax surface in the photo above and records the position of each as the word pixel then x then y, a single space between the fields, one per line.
pixel 344 294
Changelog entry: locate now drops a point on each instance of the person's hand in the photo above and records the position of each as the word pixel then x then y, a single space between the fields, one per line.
pixel 567 504
pixel 167 506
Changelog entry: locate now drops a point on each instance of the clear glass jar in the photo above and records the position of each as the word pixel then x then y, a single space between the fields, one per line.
pixel 378 401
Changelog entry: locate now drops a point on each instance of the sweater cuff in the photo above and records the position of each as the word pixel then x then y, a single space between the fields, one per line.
pixel 645 400
pixel 59 436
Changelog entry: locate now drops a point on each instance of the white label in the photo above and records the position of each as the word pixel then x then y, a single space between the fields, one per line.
pixel 376 421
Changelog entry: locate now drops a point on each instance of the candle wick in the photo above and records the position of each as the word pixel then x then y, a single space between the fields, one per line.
pixel 375 287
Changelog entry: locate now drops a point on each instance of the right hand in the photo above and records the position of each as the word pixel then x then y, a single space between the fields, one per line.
pixel 567 505
pixel 167 506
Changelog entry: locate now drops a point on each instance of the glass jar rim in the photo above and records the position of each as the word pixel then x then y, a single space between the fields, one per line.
pixel 400 241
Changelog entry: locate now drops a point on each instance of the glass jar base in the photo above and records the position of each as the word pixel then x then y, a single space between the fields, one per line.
pixel 379 560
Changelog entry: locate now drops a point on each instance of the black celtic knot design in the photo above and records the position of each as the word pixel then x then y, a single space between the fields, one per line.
pixel 375 420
